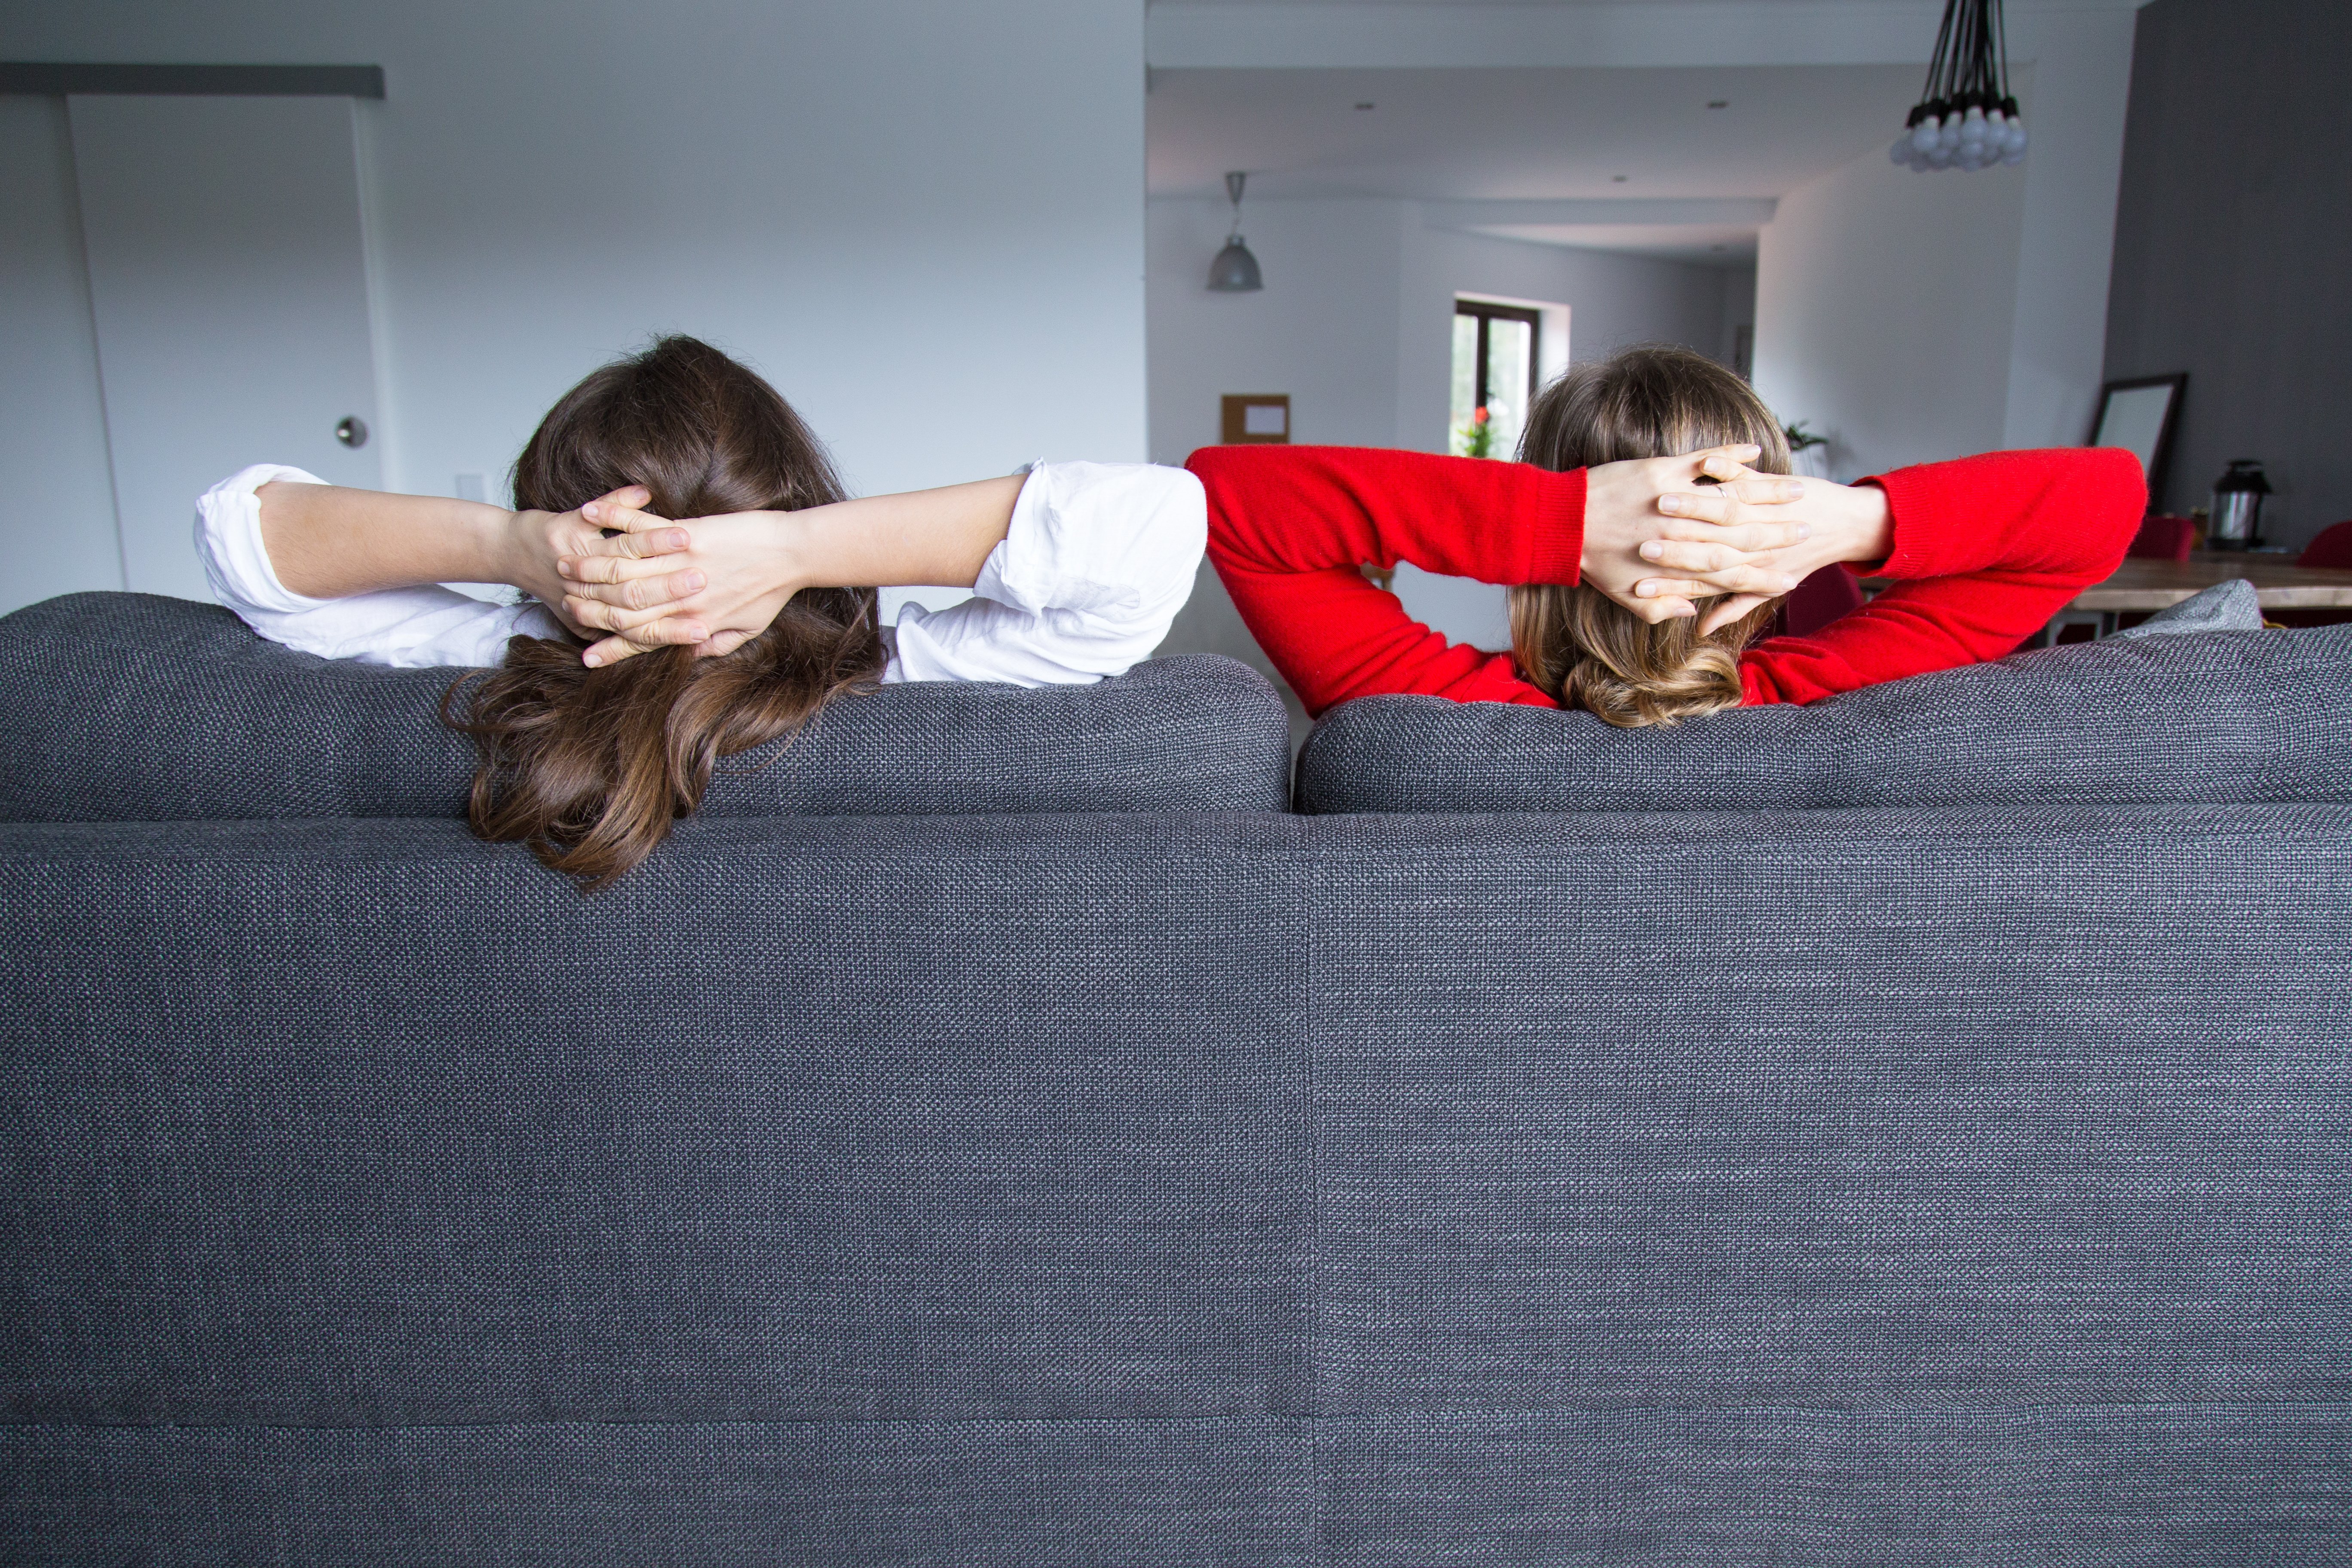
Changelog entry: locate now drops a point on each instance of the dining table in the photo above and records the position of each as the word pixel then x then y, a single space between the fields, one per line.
pixel 2143 584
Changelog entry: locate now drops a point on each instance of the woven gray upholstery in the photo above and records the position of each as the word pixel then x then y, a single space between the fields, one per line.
pixel 2215 717
pixel 2231 607
pixel 959 1494
pixel 127 707
pixel 1955 1186
pixel 1939 1489
pixel 947 1118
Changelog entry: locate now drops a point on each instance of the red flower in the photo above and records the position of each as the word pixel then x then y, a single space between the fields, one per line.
pixel 1477 417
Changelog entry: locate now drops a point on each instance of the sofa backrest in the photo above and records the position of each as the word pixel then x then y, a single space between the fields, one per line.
pixel 1247 1188
pixel 128 707
pixel 2219 717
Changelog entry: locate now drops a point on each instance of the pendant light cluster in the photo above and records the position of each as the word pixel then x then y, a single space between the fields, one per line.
pixel 1234 271
pixel 1965 118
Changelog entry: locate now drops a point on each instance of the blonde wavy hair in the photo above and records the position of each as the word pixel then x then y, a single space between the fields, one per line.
pixel 1584 649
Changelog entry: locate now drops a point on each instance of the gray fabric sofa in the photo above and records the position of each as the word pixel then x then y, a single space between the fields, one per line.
pixel 1142 1173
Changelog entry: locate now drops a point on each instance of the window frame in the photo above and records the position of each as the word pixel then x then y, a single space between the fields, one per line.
pixel 1487 312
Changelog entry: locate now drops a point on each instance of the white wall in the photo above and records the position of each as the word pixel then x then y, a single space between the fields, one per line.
pixel 1355 322
pixel 1915 317
pixel 922 219
pixel 2080 84
pixel 1356 319
pixel 1323 329
pixel 1884 306
pixel 1738 310
pixel 1613 300
pixel 58 527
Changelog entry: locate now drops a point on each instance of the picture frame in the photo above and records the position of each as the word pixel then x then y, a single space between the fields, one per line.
pixel 1254 418
pixel 2139 415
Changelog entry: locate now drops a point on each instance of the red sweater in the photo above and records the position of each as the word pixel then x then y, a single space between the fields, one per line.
pixel 1986 551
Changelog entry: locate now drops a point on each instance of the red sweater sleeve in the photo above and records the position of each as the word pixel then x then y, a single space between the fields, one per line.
pixel 1986 551
pixel 1288 527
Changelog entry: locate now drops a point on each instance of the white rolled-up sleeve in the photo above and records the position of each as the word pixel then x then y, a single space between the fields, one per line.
pixel 409 627
pixel 1098 559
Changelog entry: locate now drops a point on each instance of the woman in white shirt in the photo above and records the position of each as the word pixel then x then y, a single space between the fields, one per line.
pixel 589 754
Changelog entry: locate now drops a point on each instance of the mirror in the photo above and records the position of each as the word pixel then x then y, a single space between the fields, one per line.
pixel 2138 415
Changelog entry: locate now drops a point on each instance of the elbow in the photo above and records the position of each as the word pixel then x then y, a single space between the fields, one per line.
pixel 2117 496
pixel 1187 510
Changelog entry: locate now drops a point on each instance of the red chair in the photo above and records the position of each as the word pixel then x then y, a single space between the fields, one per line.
pixel 1819 600
pixel 2332 548
pixel 2163 537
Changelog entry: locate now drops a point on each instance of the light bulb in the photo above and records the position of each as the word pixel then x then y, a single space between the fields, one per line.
pixel 1948 139
pixel 2015 140
pixel 1923 135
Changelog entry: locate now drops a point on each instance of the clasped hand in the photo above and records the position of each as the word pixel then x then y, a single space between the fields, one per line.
pixel 1704 534
pixel 1663 536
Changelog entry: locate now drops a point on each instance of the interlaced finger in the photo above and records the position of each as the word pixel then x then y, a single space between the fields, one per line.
pixel 1720 571
pixel 656 634
pixel 602 616
pixel 1747 538
pixel 646 593
pixel 1723 612
pixel 623 549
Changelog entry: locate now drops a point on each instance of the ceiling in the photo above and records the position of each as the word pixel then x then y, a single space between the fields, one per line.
pixel 1462 134
pixel 1156 5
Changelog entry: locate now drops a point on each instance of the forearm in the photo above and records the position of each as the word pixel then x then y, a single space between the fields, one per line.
pixel 2068 514
pixel 922 538
pixel 326 542
pixel 1311 508
pixel 1859 530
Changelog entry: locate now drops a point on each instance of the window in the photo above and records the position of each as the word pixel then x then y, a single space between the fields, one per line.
pixel 1494 370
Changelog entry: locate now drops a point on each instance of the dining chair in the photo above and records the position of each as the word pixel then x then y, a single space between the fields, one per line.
pixel 2332 548
pixel 1817 601
pixel 2163 537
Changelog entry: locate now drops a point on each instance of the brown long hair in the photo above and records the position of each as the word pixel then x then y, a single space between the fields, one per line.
pixel 590 767
pixel 1583 648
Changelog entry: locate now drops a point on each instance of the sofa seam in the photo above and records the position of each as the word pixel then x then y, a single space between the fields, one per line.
pixel 1318 1480
pixel 1414 1415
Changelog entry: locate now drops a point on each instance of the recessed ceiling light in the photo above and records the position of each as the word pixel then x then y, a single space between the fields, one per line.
pixel 1617 179
pixel 1718 103
pixel 1363 106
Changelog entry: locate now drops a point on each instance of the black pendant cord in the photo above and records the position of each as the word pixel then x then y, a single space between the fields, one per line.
pixel 1969 68
pixel 1965 118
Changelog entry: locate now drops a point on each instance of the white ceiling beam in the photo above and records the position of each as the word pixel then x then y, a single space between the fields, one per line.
pixel 1180 37
pixel 1712 212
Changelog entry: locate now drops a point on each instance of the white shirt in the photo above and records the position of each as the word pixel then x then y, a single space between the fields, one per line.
pixel 1098 561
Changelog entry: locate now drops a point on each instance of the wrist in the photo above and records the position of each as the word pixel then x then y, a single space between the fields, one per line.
pixel 789 560
pixel 1866 524
pixel 518 547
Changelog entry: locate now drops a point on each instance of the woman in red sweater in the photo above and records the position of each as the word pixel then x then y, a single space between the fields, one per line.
pixel 1982 552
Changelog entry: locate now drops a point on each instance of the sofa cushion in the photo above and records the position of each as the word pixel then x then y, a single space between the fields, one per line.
pixel 2203 716
pixel 127 707
pixel 2231 607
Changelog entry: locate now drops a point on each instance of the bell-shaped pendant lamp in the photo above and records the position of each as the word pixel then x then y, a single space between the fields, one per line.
pixel 1234 271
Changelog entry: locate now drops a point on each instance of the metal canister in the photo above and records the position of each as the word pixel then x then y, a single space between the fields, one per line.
pixel 2237 522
